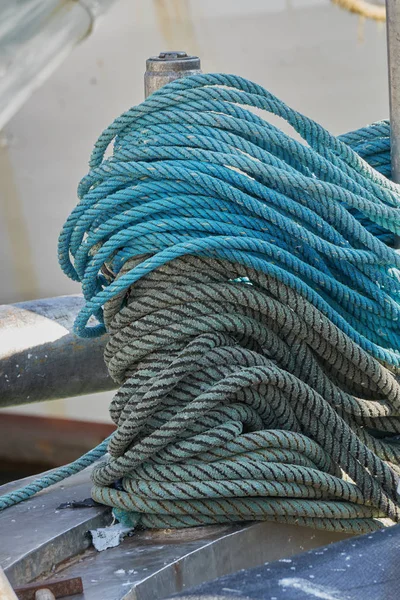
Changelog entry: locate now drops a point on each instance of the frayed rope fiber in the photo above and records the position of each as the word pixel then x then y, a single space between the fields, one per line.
pixel 250 289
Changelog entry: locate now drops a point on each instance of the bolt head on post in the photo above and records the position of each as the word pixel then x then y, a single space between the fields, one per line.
pixel 167 67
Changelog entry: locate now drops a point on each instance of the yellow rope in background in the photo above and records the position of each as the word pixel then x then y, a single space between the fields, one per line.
pixel 363 8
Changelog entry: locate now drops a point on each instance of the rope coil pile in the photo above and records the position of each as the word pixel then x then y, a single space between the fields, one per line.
pixel 250 289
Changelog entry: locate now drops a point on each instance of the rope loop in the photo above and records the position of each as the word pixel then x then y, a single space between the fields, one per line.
pixel 249 286
pixel 248 283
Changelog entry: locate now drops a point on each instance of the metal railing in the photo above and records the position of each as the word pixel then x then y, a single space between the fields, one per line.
pixel 35 37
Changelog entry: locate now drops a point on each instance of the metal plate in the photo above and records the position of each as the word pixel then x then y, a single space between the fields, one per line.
pixel 35 536
pixel 362 568
pixel 39 541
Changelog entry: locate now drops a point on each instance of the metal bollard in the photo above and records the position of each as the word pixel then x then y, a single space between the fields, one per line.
pixel 167 67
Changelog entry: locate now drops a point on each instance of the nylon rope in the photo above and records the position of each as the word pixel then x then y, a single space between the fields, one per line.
pixel 369 10
pixel 249 286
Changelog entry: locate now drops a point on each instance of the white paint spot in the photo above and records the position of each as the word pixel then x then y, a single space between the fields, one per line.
pixel 312 589
pixel 109 537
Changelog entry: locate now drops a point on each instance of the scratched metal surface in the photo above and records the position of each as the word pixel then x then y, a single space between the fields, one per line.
pixel 35 535
pixel 362 568
pixel 39 541
pixel 153 565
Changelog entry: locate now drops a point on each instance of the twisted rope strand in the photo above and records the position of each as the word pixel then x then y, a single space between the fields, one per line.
pixel 250 289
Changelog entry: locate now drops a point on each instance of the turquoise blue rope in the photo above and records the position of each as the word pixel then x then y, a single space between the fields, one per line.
pixel 53 477
pixel 194 172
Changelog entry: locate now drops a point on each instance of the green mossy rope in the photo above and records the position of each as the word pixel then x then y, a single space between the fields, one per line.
pixel 243 402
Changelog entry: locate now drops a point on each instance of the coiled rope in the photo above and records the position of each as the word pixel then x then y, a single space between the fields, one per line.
pixel 250 289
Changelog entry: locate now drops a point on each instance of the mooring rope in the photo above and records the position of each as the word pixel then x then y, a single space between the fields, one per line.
pixel 250 289
pixel 369 10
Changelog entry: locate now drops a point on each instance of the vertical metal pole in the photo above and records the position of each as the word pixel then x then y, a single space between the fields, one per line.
pixel 167 67
pixel 393 47
pixel 393 50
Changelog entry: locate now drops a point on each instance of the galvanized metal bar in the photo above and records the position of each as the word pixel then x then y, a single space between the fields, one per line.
pixel 393 49
pixel 40 356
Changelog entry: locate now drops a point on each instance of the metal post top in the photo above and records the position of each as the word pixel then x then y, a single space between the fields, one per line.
pixel 167 67
pixel 172 61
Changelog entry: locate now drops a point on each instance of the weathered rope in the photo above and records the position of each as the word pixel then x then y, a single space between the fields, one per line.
pixel 363 8
pixel 250 290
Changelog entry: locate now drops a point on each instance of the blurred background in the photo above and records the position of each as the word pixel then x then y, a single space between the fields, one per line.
pixel 317 57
